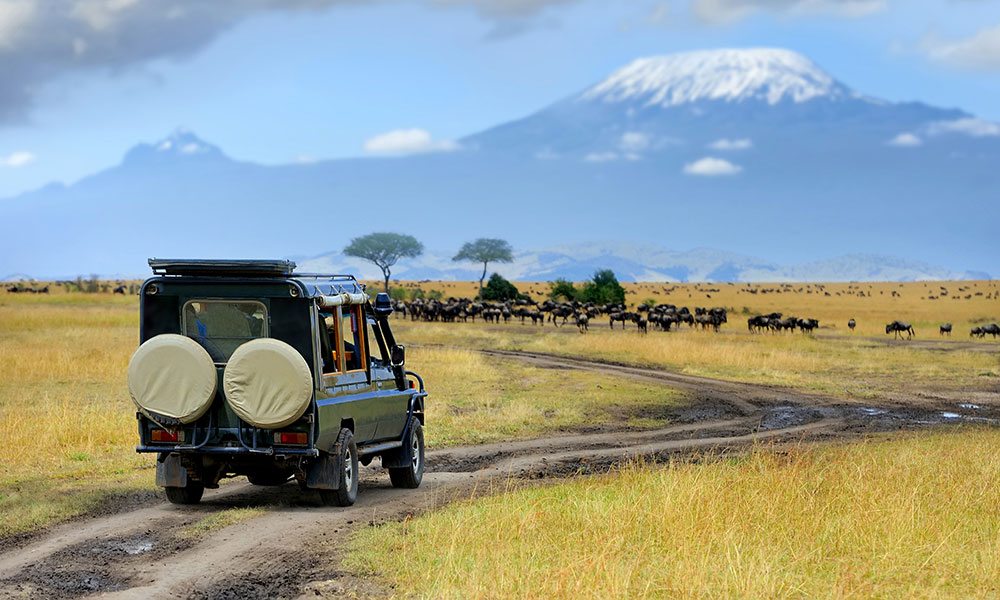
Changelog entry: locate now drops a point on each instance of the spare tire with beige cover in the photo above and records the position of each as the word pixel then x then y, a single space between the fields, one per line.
pixel 268 383
pixel 172 379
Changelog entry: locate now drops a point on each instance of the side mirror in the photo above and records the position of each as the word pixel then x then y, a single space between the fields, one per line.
pixel 398 356
pixel 383 305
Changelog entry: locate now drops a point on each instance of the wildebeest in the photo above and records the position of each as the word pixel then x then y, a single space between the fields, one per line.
pixel 945 329
pixel 583 322
pixel 897 327
pixel 984 330
pixel 121 289
pixel 807 325
pixel 851 324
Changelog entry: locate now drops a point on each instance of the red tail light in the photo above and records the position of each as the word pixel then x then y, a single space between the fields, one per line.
pixel 165 436
pixel 290 438
pixel 413 385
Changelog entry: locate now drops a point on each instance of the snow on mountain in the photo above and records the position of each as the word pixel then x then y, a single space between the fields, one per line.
pixel 767 74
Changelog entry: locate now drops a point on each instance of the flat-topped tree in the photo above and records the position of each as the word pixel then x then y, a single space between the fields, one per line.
pixel 485 250
pixel 385 250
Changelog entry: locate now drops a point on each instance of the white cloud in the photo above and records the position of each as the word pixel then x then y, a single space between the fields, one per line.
pixel 407 141
pixel 634 141
pixel 906 140
pixel 969 126
pixel 17 159
pixel 14 14
pixel 599 157
pixel 979 51
pixel 734 144
pixel 728 11
pixel 711 167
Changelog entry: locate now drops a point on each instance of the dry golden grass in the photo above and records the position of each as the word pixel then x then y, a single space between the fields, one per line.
pixel 913 517
pixel 475 399
pixel 844 367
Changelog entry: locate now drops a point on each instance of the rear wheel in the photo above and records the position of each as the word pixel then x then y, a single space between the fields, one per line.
pixel 412 474
pixel 345 457
pixel 189 494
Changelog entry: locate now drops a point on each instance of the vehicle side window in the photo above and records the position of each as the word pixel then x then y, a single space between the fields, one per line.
pixel 222 326
pixel 352 332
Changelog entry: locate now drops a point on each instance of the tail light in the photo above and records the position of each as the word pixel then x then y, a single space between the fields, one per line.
pixel 290 438
pixel 165 436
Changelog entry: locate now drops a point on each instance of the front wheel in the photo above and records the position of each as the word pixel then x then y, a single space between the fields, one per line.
pixel 345 457
pixel 410 475
pixel 189 494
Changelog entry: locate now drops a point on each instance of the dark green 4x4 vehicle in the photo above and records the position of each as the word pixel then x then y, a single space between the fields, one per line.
pixel 248 368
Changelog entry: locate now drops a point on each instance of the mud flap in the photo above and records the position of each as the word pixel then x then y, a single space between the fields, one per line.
pixel 321 474
pixel 170 472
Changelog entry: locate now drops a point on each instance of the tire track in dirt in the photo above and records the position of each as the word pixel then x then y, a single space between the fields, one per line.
pixel 137 554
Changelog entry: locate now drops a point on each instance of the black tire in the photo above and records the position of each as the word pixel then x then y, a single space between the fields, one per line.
pixel 410 476
pixel 189 494
pixel 345 460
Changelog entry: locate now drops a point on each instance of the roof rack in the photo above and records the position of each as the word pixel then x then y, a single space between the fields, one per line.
pixel 222 268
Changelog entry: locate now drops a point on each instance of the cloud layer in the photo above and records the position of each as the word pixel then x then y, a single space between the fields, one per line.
pixel 41 40
pixel 728 11
pixel 979 51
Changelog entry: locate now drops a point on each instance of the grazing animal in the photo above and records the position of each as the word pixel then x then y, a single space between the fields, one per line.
pixel 976 332
pixel 945 329
pixel 641 324
pixel 120 290
pixel 851 324
pixel 898 327
pixel 583 322
pixel 991 329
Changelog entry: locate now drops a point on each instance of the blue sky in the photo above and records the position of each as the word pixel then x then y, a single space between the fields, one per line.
pixel 275 81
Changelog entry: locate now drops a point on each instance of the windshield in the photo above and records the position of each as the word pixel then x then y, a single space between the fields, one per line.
pixel 221 326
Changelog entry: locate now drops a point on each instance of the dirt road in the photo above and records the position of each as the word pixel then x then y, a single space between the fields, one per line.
pixel 294 547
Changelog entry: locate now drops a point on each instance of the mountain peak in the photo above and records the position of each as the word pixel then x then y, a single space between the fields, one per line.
pixel 771 75
pixel 180 144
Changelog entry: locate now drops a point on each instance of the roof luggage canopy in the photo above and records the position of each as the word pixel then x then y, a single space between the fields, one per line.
pixel 330 290
pixel 222 268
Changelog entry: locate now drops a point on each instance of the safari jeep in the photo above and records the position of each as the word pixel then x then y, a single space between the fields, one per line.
pixel 247 368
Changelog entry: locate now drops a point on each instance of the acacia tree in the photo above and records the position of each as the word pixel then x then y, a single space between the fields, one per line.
pixel 485 250
pixel 385 250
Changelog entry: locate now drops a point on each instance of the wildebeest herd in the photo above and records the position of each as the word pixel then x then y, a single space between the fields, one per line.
pixel 18 288
pixel 774 322
pixel 580 314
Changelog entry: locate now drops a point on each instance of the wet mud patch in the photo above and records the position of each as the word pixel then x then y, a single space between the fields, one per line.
pixel 111 504
pixel 102 565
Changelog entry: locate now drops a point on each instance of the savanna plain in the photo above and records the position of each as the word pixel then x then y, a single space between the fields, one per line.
pixel 618 464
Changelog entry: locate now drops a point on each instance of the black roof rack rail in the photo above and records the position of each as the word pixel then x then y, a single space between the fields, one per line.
pixel 222 268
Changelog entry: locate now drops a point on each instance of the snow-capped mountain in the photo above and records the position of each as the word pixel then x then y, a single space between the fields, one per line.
pixel 765 74
pixel 758 152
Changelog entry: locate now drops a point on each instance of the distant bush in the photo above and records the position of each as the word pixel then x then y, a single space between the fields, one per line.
pixel 563 289
pixel 603 289
pixel 499 289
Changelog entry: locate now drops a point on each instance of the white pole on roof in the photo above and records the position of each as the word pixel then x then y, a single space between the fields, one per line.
pixel 342 299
